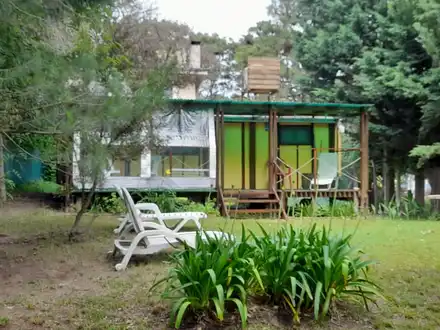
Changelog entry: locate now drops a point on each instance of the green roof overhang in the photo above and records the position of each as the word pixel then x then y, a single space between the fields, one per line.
pixel 234 107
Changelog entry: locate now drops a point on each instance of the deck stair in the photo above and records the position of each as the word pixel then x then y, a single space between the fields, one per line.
pixel 252 202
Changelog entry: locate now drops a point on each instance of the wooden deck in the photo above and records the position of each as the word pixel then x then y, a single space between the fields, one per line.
pixel 332 193
pixel 263 201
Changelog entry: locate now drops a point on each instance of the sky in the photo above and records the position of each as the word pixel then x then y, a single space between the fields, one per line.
pixel 227 18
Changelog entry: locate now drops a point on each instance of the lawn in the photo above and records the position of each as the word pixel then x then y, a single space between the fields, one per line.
pixel 48 283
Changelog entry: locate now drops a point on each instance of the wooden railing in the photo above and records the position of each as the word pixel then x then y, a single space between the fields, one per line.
pixel 282 175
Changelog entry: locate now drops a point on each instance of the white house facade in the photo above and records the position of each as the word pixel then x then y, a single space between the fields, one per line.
pixel 187 161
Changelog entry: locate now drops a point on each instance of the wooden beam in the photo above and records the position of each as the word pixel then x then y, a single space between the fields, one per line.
pixel 222 143
pixel 217 151
pixel 270 164
pixel 364 162
pixel 243 156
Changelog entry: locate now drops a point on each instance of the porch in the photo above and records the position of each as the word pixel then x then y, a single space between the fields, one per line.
pixel 261 160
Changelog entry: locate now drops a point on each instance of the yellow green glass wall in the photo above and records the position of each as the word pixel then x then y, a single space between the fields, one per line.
pixel 261 156
pixel 233 155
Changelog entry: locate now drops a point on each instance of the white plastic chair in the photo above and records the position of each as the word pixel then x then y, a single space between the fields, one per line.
pixel 154 239
pixel 157 215
pixel 327 170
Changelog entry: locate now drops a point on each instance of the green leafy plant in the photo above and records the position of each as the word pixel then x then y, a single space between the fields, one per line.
pixel 308 269
pixel 4 321
pixel 212 278
pixel 40 186
pixel 406 208
pixel 10 187
pixel 337 209
pixel 300 270
pixel 109 204
pixel 209 207
pixel 168 201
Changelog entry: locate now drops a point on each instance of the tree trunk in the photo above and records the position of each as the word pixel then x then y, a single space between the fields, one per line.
pixel 385 177
pixel 419 192
pixel 388 182
pixel 2 173
pixel 398 185
pixel 86 200
pixel 433 176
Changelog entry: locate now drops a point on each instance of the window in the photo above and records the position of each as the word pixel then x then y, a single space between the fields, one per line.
pixel 295 135
pixel 126 167
pixel 181 162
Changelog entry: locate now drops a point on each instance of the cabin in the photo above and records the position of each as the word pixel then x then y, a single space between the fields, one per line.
pixel 270 151
pixel 259 154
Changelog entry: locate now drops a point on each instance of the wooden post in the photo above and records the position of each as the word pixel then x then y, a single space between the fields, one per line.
pixel 275 148
pixel 315 177
pixel 2 173
pixel 364 162
pixel 217 152
pixel 270 164
pixel 222 144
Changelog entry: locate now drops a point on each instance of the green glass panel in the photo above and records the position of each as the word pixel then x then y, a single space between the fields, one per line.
pixel 295 135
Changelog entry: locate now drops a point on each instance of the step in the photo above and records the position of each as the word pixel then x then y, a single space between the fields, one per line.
pixel 248 201
pixel 245 211
pixel 246 194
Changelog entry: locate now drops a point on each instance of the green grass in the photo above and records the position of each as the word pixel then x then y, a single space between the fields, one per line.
pixel 52 284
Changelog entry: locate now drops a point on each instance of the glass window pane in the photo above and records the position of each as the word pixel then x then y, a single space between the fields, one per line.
pixel 295 135
pixel 185 162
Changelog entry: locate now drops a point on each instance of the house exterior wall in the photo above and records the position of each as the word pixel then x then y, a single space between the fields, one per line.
pixel 198 132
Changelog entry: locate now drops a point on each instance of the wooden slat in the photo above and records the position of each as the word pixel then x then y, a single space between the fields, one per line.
pixel 263 83
pixel 244 211
pixel 263 68
pixel 263 75
pixel 248 201
pixel 263 61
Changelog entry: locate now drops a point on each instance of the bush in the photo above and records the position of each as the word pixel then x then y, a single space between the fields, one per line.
pixel 40 186
pixel 301 270
pixel 210 278
pixel 338 209
pixel 168 202
pixel 406 208
pixel 109 204
pixel 307 269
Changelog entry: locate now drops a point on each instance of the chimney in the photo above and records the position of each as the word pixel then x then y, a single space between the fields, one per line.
pixel 195 55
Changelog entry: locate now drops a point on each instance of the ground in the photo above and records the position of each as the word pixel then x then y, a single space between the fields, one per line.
pixel 47 283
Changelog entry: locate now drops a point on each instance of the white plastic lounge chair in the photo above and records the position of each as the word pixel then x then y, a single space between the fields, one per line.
pixel 327 170
pixel 157 215
pixel 154 239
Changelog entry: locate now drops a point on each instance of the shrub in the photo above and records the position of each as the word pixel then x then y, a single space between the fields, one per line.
pixel 168 202
pixel 40 186
pixel 301 270
pixel 307 269
pixel 338 209
pixel 109 204
pixel 212 279
pixel 406 208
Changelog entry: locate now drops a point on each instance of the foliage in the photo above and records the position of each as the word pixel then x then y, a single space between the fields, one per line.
pixel 209 207
pixel 425 153
pixel 336 209
pixel 407 208
pixel 4 321
pixel 308 269
pixel 297 269
pixel 208 278
pixel 10 187
pixel 40 186
pixel 109 204
pixel 168 201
